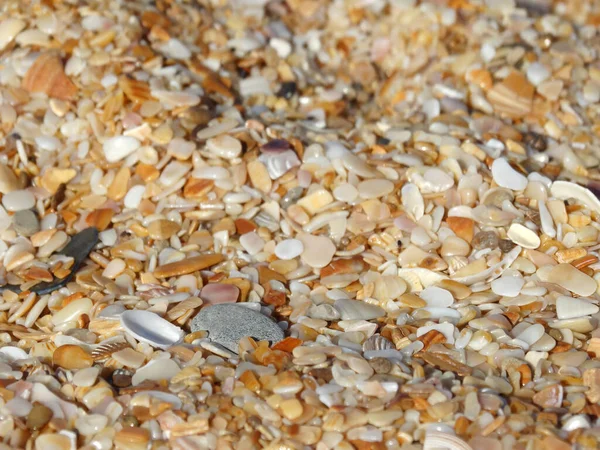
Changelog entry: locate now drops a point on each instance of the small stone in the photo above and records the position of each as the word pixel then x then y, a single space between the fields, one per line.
pixel 54 177
pixel 252 242
pixel 215 293
pixel 506 245
pixel 381 365
pixel 26 223
pixel 357 310
pixel 228 323
pixel 375 188
pixel 119 147
pixel 163 229
pixel 507 177
pixel 485 239
pixel 291 408
pixel 9 29
pixel 121 378
pixel 71 357
pixel 570 308
pixel 259 176
pixel 18 200
pixel 316 200
pixel 8 180
pixel 549 397
pixel 128 357
pixel 568 277
pixel 289 249
pixel 38 417
pixel 437 297
pixel 523 236
pixel 86 377
pixel 224 146
pixel 189 265
pixel 508 286
pixel 318 250
pixel 156 370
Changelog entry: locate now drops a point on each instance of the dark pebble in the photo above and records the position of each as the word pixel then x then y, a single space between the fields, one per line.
pixel 506 245
pixel 485 239
pixel 287 89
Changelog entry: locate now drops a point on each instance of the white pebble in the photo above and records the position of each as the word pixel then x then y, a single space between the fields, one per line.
pixel 224 146
pixel 175 49
pixel 537 73
pixel 134 196
pixel 289 249
pixel 114 268
pixel 345 192
pixel 48 143
pixel 18 200
pixel 507 177
pixel 507 286
pixel 437 297
pixel 252 242
pixel 119 147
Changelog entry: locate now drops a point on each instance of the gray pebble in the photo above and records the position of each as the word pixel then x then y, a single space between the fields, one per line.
pixel 26 223
pixel 228 323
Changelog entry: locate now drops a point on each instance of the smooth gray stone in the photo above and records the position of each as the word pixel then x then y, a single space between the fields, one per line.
pixel 26 223
pixel 227 324
pixel 356 310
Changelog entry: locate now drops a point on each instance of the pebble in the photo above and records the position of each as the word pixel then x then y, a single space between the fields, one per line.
pixel 189 265
pixel 71 357
pixel 9 29
pixel 252 242
pixel 568 277
pixel 228 323
pixel 215 293
pixel 289 249
pixel 570 308
pixel 507 286
pixel 507 177
pixel 26 223
pixel 156 370
pixel 357 310
pixel 38 417
pixel 345 192
pixel 119 147
pixel 485 239
pixel 523 236
pixel 86 377
pixel 375 188
pixel 18 200
pixel 8 180
pixel 318 250
pixel 224 146
pixel 437 297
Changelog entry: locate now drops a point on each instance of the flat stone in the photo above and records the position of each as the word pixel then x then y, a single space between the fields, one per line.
pixel 568 277
pixel 8 180
pixel 26 223
pixel 318 250
pixel 507 286
pixel 189 265
pixel 215 293
pixel 570 308
pixel 228 323
pixel 356 310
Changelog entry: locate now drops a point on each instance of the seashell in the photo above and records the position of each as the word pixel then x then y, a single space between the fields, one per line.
pixel 12 353
pixel 149 327
pixel 496 196
pixel 418 278
pixel 435 440
pixel 10 28
pixel 104 351
pixel 377 342
pixel 48 76
pixel 412 200
pixel 513 96
pixel 278 164
pixel 564 190
pixel 156 369
pixel 493 272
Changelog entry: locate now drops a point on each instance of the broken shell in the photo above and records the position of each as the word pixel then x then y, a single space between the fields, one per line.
pixel 149 327
pixel 564 190
pixel 523 236
pixel 497 196
pixel 48 76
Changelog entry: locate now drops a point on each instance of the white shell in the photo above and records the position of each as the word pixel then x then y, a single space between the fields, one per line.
pixel 12 353
pixel 493 272
pixel 412 200
pixel 570 308
pixel 563 190
pixel 437 440
pixel 418 278
pixel 149 327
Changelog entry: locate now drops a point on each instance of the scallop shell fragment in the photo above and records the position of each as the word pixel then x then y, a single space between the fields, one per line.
pixel 149 327
pixel 48 76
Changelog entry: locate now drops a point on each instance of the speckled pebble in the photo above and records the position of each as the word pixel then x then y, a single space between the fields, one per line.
pixel 228 323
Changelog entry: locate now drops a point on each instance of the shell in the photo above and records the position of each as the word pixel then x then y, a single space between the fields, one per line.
pixel 47 75
pixel 149 327
pixel 493 272
pixel 418 278
pixel 377 342
pixel 496 196
pixel 564 190
pixel 437 440
pixel 104 351
pixel 412 200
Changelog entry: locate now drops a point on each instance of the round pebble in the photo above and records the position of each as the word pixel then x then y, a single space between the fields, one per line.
pixel 214 293
pixel 26 223
pixel 224 146
pixel 18 200
pixel 289 249
pixel 119 147
pixel 507 286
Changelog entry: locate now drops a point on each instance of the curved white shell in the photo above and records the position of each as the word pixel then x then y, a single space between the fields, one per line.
pixel 149 327
pixel 12 353
pixel 438 440
pixel 493 272
pixel 563 190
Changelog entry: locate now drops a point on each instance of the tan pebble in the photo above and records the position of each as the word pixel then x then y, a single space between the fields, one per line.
pixel 298 215
pixel 118 187
pixel 558 211
pixel 549 397
pixel 291 409
pixel 318 250
pixel 129 358
pixel 132 438
pixel 569 255
pixel 188 265
pixel 568 277
pixel 591 379
pixel 315 201
pixel 47 75
pixel 71 357
pixel 38 417
pixel 54 177
pixel 512 96
pixel 259 176
pixel 455 246
pixel 579 220
pixel 197 188
pixel 462 227
pixel 162 229
pixel 458 290
pixel 412 301
pixel 523 236
pixel 51 441
pixel 8 180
